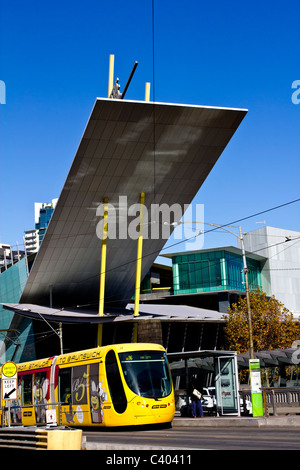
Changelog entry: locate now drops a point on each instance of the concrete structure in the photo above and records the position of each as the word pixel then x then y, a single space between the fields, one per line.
pixel 281 270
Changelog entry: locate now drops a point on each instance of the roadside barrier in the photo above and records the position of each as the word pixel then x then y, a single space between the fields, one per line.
pixel 43 436
pixel 40 439
pixel 276 397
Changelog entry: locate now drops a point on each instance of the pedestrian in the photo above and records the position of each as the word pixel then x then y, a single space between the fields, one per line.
pixel 195 396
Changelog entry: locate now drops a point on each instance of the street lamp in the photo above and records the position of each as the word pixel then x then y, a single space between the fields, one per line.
pixel 241 238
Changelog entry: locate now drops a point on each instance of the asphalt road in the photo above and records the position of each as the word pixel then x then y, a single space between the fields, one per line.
pixel 201 438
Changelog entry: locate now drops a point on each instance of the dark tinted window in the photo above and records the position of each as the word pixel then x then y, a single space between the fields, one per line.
pixel 65 385
pixel 79 385
pixel 73 385
pixel 115 383
pixel 27 389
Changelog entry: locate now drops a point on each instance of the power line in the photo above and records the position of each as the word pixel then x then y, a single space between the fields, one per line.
pixel 214 264
pixel 204 232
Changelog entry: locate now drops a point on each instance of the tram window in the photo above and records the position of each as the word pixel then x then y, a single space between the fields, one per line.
pixel 79 385
pixel 64 385
pixel 115 383
pixel 97 394
pixel 27 389
pixel 147 373
pixel 41 386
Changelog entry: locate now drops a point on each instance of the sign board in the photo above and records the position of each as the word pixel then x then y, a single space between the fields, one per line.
pixel 9 381
pixel 256 393
pixel 51 418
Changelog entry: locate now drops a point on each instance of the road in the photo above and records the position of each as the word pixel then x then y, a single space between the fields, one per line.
pixel 202 438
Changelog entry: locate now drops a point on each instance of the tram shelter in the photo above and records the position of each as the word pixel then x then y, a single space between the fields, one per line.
pixel 215 368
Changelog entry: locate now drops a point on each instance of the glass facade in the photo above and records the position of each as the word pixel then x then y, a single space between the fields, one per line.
pixel 44 219
pixel 213 271
pixel 12 282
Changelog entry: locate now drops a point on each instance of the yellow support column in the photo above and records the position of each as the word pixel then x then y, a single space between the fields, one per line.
pixel 138 265
pixel 111 74
pixel 102 272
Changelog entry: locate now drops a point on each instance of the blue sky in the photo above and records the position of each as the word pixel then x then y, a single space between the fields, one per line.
pixel 54 62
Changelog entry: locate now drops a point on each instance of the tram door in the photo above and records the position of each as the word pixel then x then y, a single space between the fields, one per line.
pixel 226 380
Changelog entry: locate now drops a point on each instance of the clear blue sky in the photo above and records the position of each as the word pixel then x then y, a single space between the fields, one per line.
pixel 54 62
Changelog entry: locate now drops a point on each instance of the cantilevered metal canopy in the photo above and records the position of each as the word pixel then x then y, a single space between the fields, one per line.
pixel 128 147
pixel 85 315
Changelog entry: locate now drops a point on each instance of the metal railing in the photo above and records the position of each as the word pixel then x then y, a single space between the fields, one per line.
pixel 12 412
pixel 274 398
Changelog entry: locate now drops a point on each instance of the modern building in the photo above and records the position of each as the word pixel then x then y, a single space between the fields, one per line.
pixel 217 272
pixel 280 274
pixel 130 152
pixel 128 148
pixel 214 278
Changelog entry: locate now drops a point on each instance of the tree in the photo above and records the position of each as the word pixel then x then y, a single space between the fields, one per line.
pixel 272 324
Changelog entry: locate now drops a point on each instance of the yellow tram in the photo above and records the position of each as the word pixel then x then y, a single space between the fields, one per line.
pixel 116 385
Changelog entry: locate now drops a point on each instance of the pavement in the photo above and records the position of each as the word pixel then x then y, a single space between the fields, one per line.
pixel 283 421
pixel 290 420
pixel 287 420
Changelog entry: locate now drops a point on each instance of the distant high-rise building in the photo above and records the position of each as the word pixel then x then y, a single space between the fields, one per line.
pixel 32 240
pixel 43 212
pixel 42 215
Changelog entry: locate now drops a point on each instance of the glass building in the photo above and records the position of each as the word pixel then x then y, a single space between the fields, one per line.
pixel 43 214
pixel 16 334
pixel 214 270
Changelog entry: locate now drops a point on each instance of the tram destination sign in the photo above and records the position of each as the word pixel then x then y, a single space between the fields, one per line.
pixel 9 381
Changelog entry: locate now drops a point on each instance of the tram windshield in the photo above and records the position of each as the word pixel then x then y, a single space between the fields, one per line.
pixel 147 373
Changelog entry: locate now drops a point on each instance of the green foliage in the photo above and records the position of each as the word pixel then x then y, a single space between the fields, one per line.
pixel 272 324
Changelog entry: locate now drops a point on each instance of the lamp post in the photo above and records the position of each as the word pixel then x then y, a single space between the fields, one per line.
pixel 251 348
pixel 245 269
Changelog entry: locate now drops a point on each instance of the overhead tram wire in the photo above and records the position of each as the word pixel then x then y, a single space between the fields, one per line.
pixel 190 238
pixel 212 265
pixel 185 240
pixel 156 252
pixel 195 271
